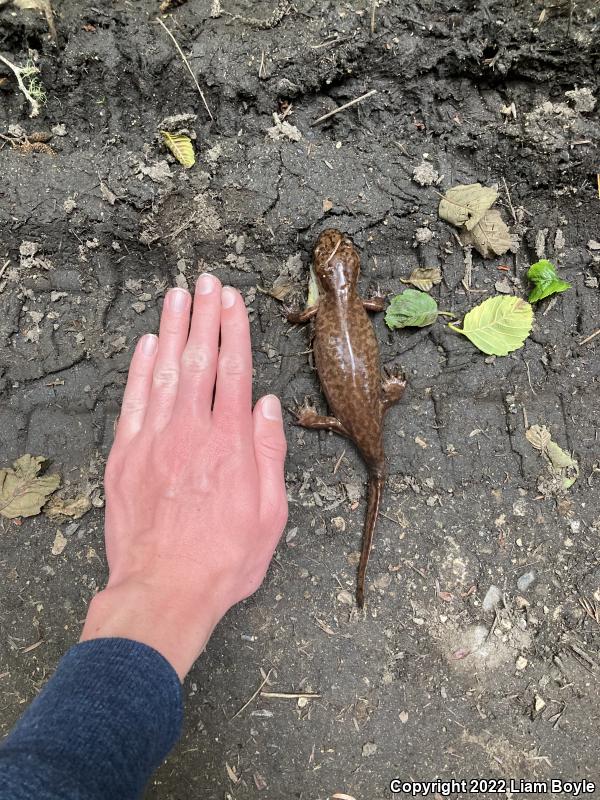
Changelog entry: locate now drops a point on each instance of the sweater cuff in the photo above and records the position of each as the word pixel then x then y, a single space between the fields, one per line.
pixel 111 712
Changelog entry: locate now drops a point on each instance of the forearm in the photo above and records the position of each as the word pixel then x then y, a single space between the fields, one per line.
pixel 103 723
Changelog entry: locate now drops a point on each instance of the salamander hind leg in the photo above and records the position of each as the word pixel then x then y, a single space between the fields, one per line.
pixel 308 417
pixel 392 387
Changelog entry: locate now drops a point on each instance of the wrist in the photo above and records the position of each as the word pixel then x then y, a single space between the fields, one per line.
pixel 176 628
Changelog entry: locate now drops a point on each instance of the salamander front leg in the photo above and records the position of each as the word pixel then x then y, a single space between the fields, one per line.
pixel 308 417
pixel 375 303
pixel 297 317
pixel 392 388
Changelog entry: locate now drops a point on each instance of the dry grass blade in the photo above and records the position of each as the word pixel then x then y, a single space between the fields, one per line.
pixel 590 608
pixel 289 695
pixel 344 107
pixel 255 695
pixel 187 63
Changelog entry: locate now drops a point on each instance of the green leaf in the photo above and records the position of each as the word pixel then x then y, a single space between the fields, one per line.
pixel 22 491
pixel 543 275
pixel 181 146
pixel 499 325
pixel 466 204
pixel 411 309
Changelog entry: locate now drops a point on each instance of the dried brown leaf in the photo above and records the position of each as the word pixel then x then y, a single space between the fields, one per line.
pixel 74 507
pixel 490 236
pixel 23 491
pixel 424 278
pixel 465 205
pixel 538 436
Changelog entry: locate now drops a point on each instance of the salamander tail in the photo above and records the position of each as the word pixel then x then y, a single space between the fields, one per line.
pixel 374 492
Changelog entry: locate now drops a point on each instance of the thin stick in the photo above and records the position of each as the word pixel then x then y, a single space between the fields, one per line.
pixel 337 463
pixel 289 695
pixel 590 337
pixel 344 107
pixel 187 63
pixel 512 210
pixel 373 8
pixel 256 693
pixel 18 71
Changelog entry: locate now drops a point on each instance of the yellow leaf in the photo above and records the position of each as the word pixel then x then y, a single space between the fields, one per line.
pixel 22 491
pixel 498 326
pixel 181 146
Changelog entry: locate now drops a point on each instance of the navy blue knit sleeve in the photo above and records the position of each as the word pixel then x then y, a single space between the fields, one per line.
pixel 102 724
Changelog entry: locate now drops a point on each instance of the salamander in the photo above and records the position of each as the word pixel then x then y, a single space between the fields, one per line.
pixel 348 365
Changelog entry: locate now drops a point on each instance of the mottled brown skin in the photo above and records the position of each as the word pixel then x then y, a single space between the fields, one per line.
pixel 348 364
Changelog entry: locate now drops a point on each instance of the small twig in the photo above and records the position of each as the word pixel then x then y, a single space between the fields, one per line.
pixel 529 378
pixel 255 695
pixel 373 9
pixel 344 107
pixel 289 695
pixel 337 463
pixel 510 205
pixel 18 72
pixel 187 63
pixel 590 337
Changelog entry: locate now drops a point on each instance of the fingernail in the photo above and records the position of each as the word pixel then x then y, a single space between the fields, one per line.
pixel 271 407
pixel 149 344
pixel 177 299
pixel 227 297
pixel 205 283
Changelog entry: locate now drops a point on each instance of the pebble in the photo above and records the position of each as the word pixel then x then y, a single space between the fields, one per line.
pixel 521 663
pixel 526 580
pixel 492 597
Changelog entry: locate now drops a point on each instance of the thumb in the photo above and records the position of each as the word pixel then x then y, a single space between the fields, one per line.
pixel 269 449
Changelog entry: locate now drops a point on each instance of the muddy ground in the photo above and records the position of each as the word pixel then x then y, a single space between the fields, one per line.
pixel 425 683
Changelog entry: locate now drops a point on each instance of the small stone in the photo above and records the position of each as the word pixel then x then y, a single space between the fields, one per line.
pixel 302 702
pixel 503 286
pixel 369 749
pixel 345 597
pixel 60 542
pixel 59 130
pixel 339 523
pixel 291 535
pixel 139 308
pixel 521 663
pixel 539 704
pixel 425 175
pixel 423 235
pixel 526 580
pixel 403 717
pixel 492 598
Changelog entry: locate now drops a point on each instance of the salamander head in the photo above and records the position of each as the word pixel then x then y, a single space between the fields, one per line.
pixel 336 262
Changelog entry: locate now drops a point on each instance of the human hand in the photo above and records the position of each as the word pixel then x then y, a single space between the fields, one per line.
pixel 195 492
